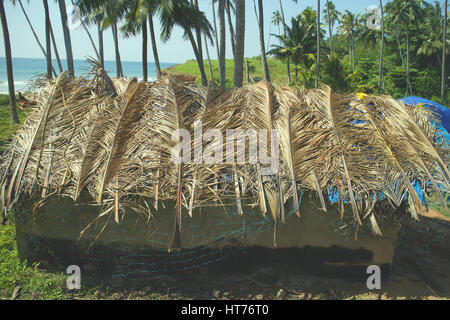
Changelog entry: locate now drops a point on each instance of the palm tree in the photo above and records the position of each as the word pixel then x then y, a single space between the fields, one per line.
pixel 283 22
pixel 277 20
pixel 9 67
pixel 240 43
pixel 318 44
pixel 395 17
pixel 186 15
pixel 230 7
pixel 331 17
pixel 32 30
pixel 222 69
pixel 431 37
pixel 381 74
pixel 347 29
pixel 403 12
pixel 260 19
pixel 444 54
pixel 216 34
pixel 92 16
pixel 299 44
pixel 48 41
pixel 107 13
pixel 67 40
pixel 136 20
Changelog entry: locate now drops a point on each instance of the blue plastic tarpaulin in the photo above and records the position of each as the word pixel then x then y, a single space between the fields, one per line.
pixel 442 135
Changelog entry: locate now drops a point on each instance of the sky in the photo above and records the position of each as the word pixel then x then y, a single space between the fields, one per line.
pixel 176 50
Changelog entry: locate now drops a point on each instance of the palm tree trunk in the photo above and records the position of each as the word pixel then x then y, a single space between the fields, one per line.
pixel 154 47
pixel 261 41
pixel 318 45
pixel 9 67
pixel 403 59
pixel 444 54
pixel 329 28
pixel 90 36
pixel 34 32
pixel 221 12
pixel 216 36
pixel 100 45
pixel 209 59
pixel 198 34
pixel 240 43
pixel 198 57
pixel 353 52
pixel 117 52
pixel 408 82
pixel 283 21
pixel 230 25
pixel 67 40
pixel 380 73
pixel 144 51
pixel 48 41
pixel 55 48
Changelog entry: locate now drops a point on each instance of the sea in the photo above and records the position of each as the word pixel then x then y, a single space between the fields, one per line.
pixel 27 68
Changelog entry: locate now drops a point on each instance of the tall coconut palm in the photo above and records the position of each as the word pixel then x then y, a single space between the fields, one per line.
pixel 48 41
pixel 318 45
pixel 135 22
pixel 67 40
pixel 403 13
pixel 32 30
pixel 347 29
pixel 283 22
pixel 394 19
pixel 55 48
pixel 139 11
pixel 89 36
pixel 444 54
pixel 260 19
pixel 9 66
pixel 107 13
pixel 431 40
pixel 299 44
pixel 240 43
pixel 380 73
pixel 230 7
pixel 92 16
pixel 216 34
pixel 186 15
pixel 331 17
pixel 222 37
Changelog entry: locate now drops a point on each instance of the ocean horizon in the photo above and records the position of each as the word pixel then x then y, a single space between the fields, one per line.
pixel 26 68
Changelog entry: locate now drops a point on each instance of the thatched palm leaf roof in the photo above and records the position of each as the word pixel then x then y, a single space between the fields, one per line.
pixel 112 142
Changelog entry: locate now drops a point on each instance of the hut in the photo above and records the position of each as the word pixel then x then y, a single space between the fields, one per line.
pixel 97 176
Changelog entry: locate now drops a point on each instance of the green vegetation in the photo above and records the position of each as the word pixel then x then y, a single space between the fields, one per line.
pixel 7 128
pixel 278 70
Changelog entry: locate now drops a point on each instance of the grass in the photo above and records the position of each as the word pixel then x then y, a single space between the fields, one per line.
pixel 7 128
pixel 277 68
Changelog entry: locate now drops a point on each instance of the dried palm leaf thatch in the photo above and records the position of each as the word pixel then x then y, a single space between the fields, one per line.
pixel 113 142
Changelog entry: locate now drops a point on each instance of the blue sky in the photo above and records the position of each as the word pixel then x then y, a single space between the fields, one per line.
pixel 176 50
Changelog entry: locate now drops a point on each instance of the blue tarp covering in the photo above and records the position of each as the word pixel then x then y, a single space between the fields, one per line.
pixel 442 135
pixel 441 111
